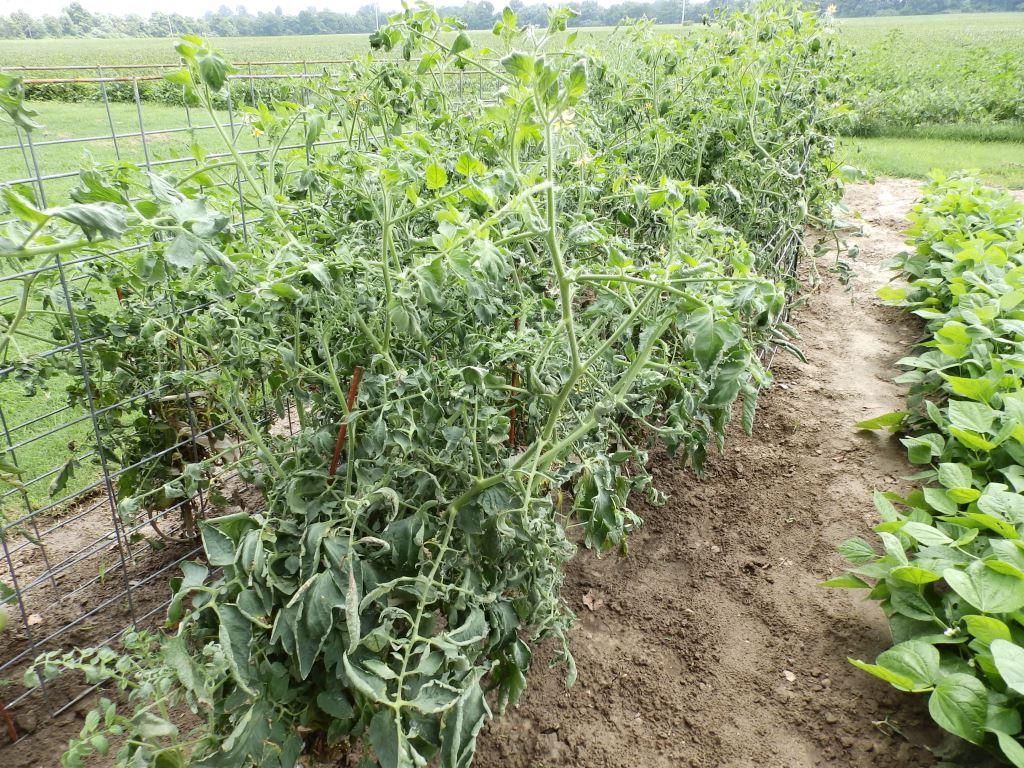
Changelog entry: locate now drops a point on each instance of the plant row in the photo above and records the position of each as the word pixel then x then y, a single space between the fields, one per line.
pixel 950 576
pixel 483 316
pixel 909 80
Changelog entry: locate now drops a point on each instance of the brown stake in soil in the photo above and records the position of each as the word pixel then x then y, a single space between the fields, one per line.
pixel 712 643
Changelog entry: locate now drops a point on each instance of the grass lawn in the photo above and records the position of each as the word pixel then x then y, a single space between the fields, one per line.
pixel 89 121
pixel 31 415
pixel 997 162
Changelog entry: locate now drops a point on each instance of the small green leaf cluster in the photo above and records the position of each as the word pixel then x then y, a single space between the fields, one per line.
pixel 951 574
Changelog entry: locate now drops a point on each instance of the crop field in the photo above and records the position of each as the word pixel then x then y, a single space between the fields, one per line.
pixel 520 399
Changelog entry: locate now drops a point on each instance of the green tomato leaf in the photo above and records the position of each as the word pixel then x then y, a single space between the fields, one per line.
pixel 462 43
pixel 435 176
pixel 385 736
pixel 520 65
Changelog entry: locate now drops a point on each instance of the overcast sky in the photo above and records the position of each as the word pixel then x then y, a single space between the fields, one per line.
pixel 199 7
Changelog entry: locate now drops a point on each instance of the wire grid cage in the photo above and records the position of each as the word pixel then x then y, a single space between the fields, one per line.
pixel 74 570
pixel 79 573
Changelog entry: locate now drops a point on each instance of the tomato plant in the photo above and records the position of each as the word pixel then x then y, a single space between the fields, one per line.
pixel 485 313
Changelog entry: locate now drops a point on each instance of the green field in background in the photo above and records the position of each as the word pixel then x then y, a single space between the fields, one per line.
pixel 928 40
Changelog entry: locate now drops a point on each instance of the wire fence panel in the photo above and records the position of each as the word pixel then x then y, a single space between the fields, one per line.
pixel 82 559
pixel 78 568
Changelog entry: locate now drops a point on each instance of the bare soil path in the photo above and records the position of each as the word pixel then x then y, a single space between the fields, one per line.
pixel 712 643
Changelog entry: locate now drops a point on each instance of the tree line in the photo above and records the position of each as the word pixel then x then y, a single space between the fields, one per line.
pixel 76 21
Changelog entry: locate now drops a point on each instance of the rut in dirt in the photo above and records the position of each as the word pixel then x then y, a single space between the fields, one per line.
pixel 712 643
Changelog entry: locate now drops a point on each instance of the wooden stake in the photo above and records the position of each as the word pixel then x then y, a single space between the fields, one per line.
pixel 343 429
pixel 12 732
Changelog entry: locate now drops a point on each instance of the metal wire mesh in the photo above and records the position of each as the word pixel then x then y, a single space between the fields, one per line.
pixel 81 573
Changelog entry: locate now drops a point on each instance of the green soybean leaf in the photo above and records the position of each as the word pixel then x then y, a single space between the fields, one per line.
pixel 925 534
pixel 985 589
pixel 856 551
pixel 1009 661
pixel 914 575
pixel 847 581
pixel 1011 748
pixel 1002 504
pixel 890 421
pixel 939 500
pixel 895 679
pixel 980 390
pixel 915 660
pixel 1005 719
pixel 959 704
pixel 952 475
pixel 986 628
pixel 1001 527
pixel 976 417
